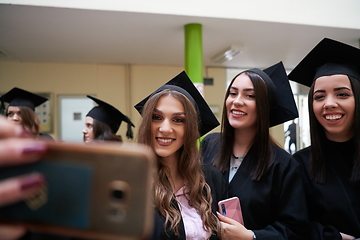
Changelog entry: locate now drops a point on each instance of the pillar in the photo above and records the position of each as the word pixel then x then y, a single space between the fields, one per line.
pixel 194 55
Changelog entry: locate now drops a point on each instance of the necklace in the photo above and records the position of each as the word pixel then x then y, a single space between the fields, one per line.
pixel 237 157
pixel 236 161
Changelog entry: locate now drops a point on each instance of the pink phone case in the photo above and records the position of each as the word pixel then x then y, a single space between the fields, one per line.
pixel 231 208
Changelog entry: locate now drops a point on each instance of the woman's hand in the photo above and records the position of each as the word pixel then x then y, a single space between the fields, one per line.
pixel 15 150
pixel 10 232
pixel 233 230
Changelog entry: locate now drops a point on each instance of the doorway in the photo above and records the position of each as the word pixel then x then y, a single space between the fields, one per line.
pixel 72 113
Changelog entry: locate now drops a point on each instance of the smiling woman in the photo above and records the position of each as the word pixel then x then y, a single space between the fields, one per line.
pixel 168 126
pixel 264 177
pixel 334 106
pixel 331 165
pixel 185 193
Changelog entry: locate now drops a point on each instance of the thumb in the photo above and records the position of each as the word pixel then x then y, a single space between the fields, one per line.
pixel 11 232
pixel 225 219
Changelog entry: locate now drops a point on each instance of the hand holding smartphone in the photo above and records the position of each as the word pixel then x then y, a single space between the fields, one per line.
pixel 231 208
pixel 100 191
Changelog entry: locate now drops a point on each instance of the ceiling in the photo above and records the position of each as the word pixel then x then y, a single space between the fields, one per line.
pixel 47 34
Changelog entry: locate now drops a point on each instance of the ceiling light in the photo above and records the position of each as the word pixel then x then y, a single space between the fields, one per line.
pixel 226 55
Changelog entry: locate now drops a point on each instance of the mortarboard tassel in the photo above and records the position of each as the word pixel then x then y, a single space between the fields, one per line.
pixel 2 108
pixel 129 132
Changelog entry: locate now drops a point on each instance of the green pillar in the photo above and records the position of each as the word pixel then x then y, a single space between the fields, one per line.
pixel 194 54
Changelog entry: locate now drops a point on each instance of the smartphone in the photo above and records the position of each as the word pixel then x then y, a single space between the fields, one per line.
pixel 231 208
pixel 100 191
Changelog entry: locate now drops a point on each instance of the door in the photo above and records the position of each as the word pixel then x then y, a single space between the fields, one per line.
pixel 72 113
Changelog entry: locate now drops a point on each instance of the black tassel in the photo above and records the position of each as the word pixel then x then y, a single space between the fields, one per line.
pixel 129 132
pixel 2 108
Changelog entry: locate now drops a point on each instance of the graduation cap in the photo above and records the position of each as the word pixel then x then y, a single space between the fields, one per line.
pixel 183 84
pixel 18 97
pixel 109 115
pixel 281 99
pixel 327 58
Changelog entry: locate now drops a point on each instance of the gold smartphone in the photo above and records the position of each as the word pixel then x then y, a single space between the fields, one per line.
pixel 94 191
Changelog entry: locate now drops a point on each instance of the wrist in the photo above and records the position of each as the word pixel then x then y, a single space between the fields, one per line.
pixel 254 236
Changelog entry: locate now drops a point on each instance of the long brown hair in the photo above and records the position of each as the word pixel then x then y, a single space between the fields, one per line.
pixel 317 134
pixel 102 132
pixel 189 166
pixel 260 155
pixel 29 120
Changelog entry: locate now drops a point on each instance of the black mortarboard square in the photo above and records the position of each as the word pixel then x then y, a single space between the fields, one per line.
pixel 109 115
pixel 286 107
pixel 184 85
pixel 20 98
pixel 281 98
pixel 328 57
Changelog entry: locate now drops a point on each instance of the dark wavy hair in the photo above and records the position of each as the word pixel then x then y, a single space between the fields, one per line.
pixel 317 134
pixel 102 132
pixel 260 156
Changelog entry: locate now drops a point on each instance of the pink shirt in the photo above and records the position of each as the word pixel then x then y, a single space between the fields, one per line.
pixel 192 221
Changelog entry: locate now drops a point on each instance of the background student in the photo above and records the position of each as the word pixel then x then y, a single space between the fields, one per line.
pixel 21 110
pixel 103 121
pixel 291 133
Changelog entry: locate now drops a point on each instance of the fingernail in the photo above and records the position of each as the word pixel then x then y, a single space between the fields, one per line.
pixel 33 180
pixel 35 147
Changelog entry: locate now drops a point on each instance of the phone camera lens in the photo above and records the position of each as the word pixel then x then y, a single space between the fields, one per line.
pixel 117 194
pixel 223 209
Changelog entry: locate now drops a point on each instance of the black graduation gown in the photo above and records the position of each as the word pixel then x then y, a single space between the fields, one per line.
pixel 215 180
pixel 334 207
pixel 273 207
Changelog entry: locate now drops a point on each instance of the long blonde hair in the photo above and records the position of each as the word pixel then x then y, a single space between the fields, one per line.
pixel 189 166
